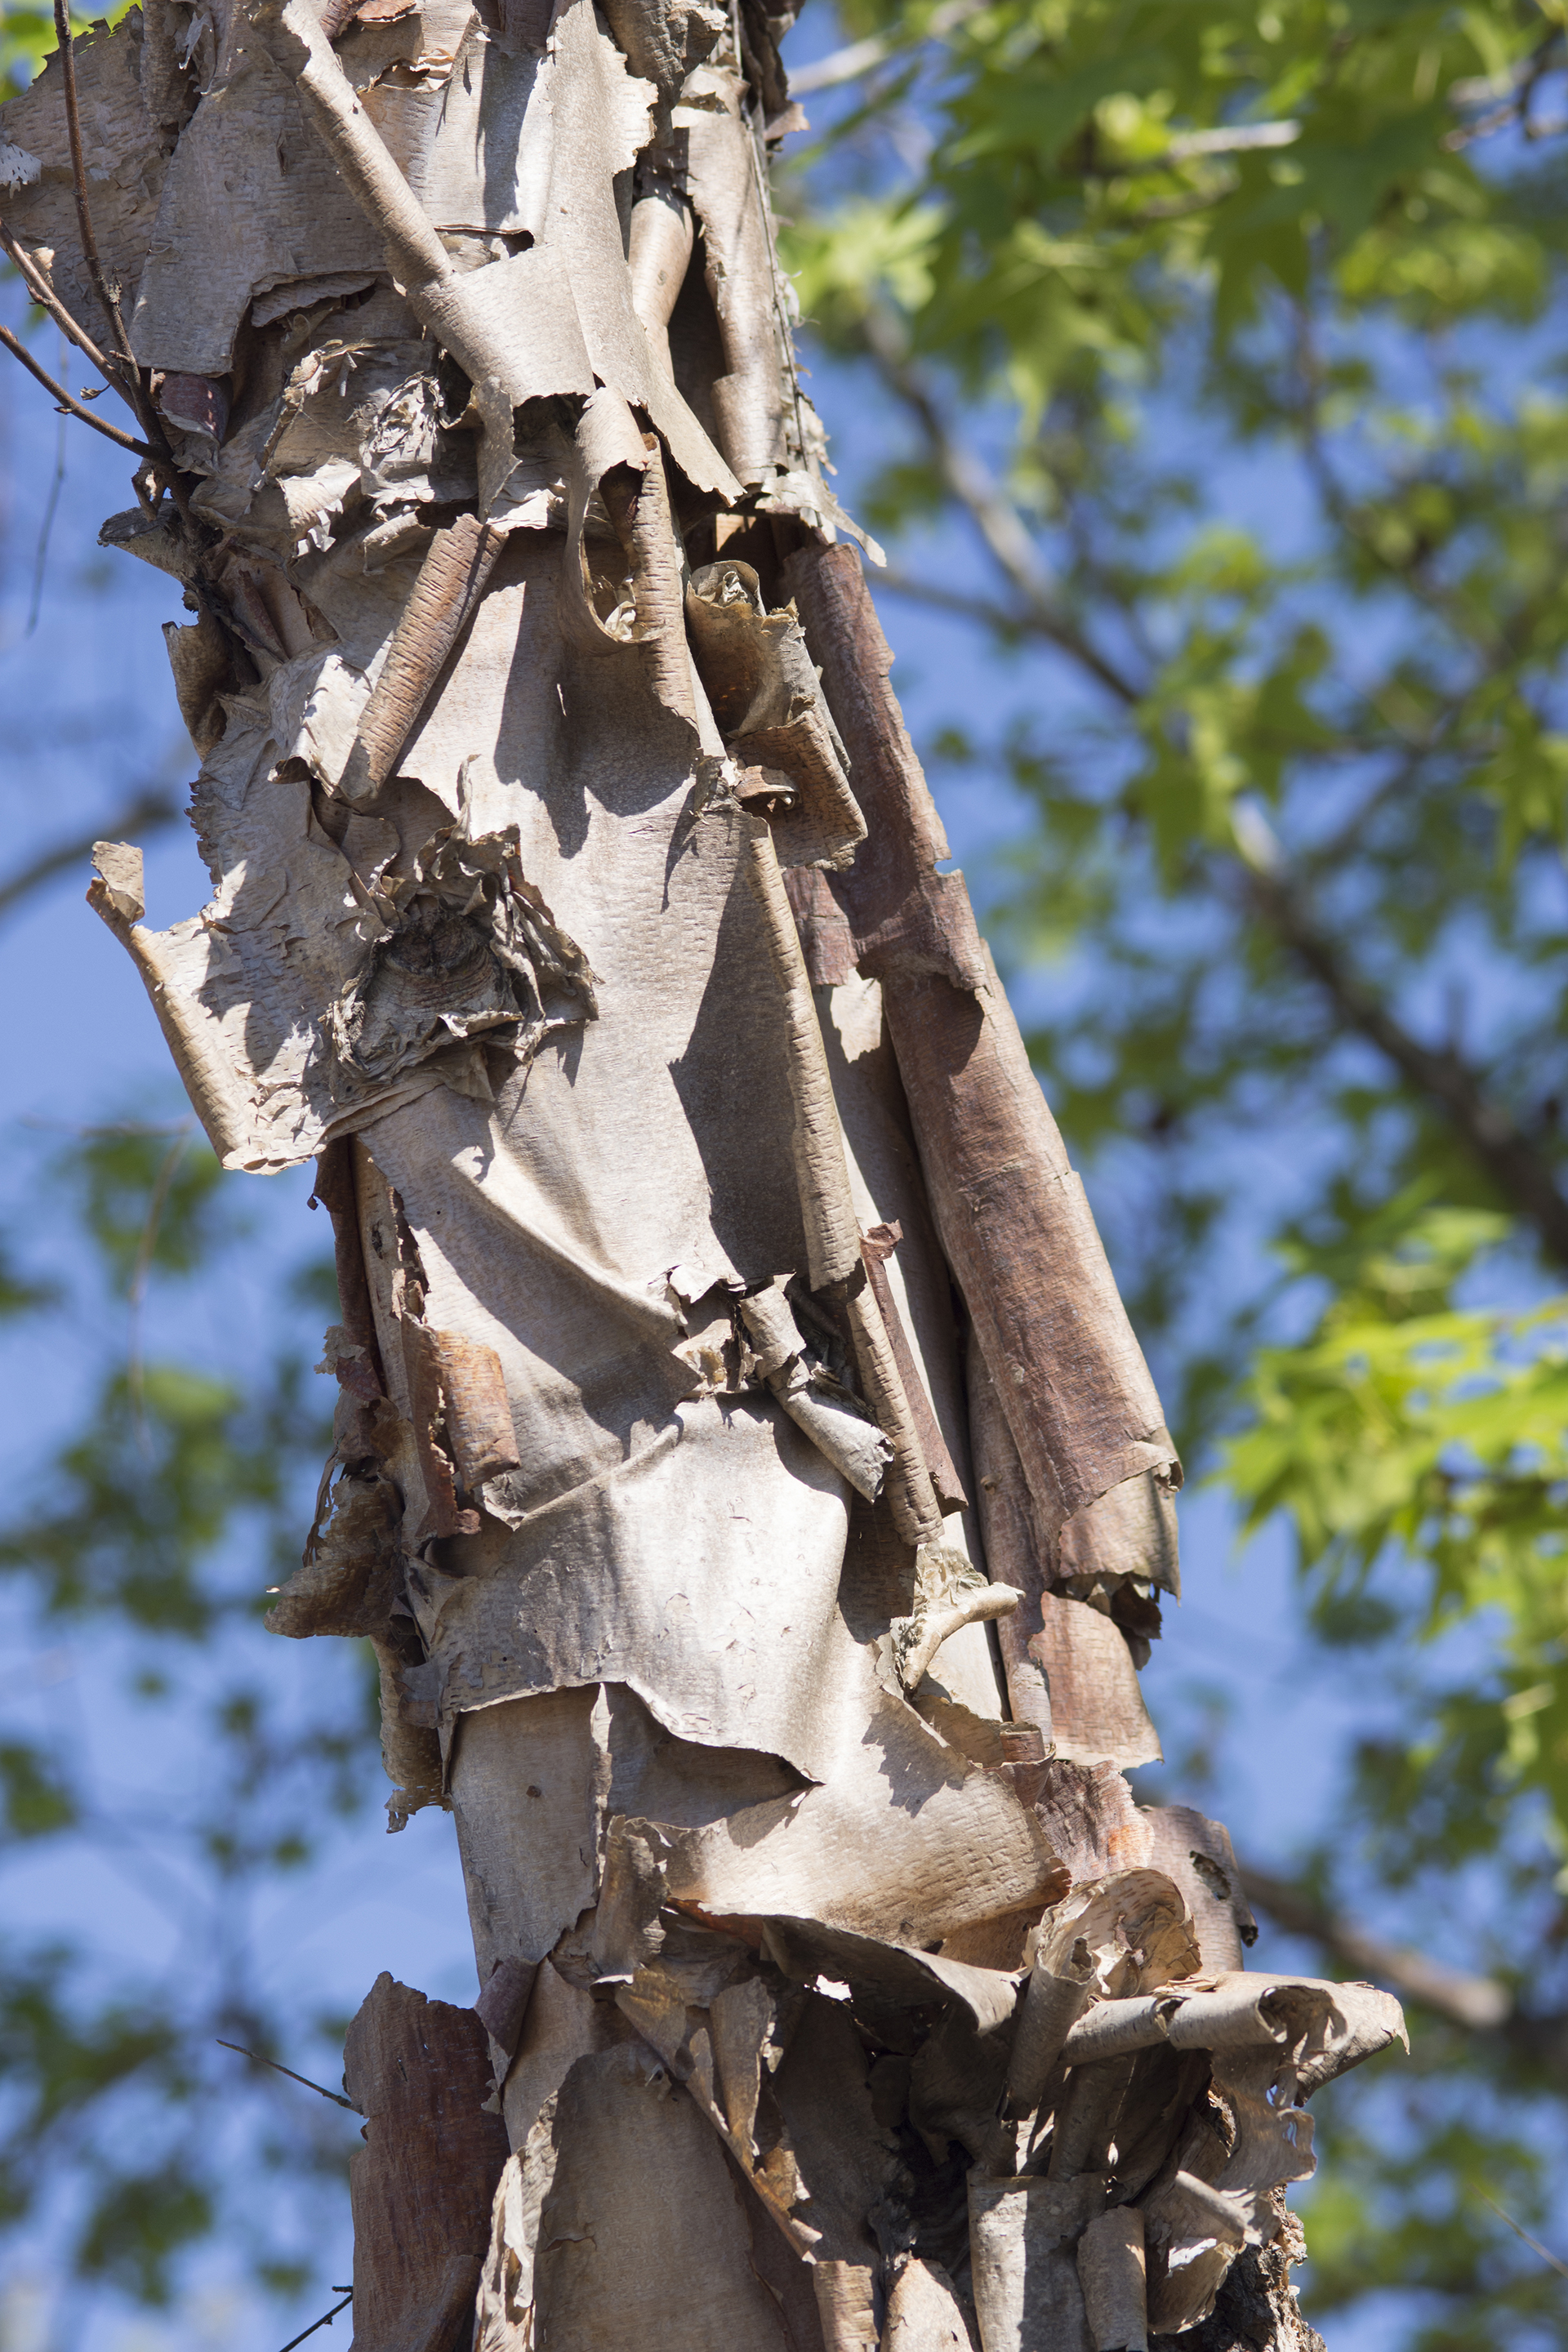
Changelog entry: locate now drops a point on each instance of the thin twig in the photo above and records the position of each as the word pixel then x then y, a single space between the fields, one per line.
pixel 1533 2244
pixel 51 508
pixel 44 295
pixel 325 2320
pixel 62 399
pixel 124 369
pixel 336 2097
pixel 100 284
pixel 135 1368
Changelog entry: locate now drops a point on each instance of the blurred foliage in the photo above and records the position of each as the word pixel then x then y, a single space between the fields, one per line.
pixel 1225 374
pixel 1220 379
pixel 148 1538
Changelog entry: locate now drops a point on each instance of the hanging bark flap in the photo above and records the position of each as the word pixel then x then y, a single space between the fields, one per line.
pixel 423 2183
pixel 1011 1217
pixel 1131 1531
pixel 769 708
pixel 805 1949
pixel 1097 1705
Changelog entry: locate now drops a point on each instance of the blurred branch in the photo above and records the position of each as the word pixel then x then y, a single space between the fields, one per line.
pixel 146 814
pixel 1521 1172
pixel 994 514
pixel 1478 2003
pixel 859 57
pixel 1524 1174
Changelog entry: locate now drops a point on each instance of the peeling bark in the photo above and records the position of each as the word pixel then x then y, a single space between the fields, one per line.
pixel 726 1343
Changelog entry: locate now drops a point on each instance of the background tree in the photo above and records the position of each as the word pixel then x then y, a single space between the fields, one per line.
pixel 1310 793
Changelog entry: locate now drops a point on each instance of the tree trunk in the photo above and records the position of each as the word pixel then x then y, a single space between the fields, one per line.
pixel 745 1467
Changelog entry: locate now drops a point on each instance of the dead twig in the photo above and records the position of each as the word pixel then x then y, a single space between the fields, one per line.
pixel 62 399
pixel 337 2098
pixel 124 371
pixel 1534 2244
pixel 326 2318
pixel 44 295
pixel 100 284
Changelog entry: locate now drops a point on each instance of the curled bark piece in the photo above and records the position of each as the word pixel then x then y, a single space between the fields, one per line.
pixel 743 275
pixel 760 679
pixel 832 1235
pixel 474 1400
pixel 1113 2027
pixel 1196 2207
pixel 1011 1214
pixel 853 1444
pixel 917 1514
pixel 1086 2118
pixel 1131 1531
pixel 923 2313
pixel 875 1248
pixel 658 250
pixel 1112 2271
pixel 503 2004
pixel 1053 2001
pixel 1096 1701
pixel 452 579
pixel 976 1606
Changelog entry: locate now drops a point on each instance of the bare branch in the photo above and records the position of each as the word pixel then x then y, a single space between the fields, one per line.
pixel 1514 1162
pixel 62 398
pixel 1478 2003
pixel 145 814
pixel 1028 622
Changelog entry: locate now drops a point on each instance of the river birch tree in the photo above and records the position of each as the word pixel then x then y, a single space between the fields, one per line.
pixel 745 1467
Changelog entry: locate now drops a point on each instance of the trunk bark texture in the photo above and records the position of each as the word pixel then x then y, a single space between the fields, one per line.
pixel 745 1467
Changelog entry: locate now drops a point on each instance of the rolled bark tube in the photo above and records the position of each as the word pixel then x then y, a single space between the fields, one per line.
pixel 1112 2272
pixel 1113 2027
pixel 1086 2117
pixel 659 248
pixel 917 1514
pixel 832 1232
pixel 445 595
pixel 1052 2005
